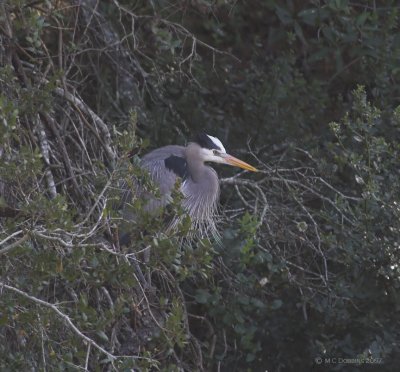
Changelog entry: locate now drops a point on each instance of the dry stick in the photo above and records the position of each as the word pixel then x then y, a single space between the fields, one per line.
pixel 317 235
pixel 67 161
pixel 94 10
pixel 99 198
pixel 13 235
pixel 65 317
pixel 251 184
pixel 96 119
pixel 178 28
pixel 87 358
pixel 79 143
pixel 45 149
pixel 13 56
pixel 14 245
pixel 8 32
pixel 20 69
pixel 237 182
pixel 10 212
pixel 186 320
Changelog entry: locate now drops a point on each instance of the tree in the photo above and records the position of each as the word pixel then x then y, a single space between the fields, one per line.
pixel 308 264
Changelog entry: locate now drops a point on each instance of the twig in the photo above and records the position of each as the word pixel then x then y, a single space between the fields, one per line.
pixel 87 357
pixel 65 317
pixel 45 147
pixel 13 235
pixel 67 161
pixel 96 119
pixel 14 245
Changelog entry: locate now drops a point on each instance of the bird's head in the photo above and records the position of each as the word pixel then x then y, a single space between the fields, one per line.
pixel 213 150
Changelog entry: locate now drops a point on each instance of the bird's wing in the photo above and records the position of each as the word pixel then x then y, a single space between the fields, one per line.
pixel 164 165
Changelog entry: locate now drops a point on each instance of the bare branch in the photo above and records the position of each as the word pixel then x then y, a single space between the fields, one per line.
pixel 65 317
pixel 13 245
pixel 87 110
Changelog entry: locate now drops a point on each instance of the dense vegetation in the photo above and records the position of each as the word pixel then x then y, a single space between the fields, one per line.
pixel 308 266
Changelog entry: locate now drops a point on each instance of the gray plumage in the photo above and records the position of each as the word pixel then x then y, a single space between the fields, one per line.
pixel 163 178
pixel 200 188
pixel 199 182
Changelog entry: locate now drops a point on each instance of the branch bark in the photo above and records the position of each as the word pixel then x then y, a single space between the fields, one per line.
pixel 65 317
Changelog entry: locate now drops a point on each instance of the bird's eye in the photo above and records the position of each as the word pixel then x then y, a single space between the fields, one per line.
pixel 215 152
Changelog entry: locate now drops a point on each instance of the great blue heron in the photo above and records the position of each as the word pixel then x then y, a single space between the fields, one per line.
pixel 199 182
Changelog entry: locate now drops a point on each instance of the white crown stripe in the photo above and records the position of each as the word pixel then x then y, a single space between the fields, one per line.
pixel 217 142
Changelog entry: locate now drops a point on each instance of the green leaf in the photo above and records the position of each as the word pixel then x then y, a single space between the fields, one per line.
pixel 284 15
pixel 362 18
pixel 102 335
pixel 276 304
pixel 202 296
pixel 3 319
pixel 308 16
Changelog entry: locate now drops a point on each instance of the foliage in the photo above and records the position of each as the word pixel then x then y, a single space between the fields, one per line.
pixel 308 265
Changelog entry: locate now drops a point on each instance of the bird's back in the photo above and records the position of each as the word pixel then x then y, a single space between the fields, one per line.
pixel 164 177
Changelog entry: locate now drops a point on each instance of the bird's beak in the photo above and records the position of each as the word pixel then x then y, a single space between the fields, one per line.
pixel 231 160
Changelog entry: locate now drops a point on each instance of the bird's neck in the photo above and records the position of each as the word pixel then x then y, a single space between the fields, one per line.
pixel 197 170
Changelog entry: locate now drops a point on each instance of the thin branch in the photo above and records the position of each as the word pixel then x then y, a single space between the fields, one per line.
pixel 97 120
pixel 14 245
pixel 13 235
pixel 65 317
pixel 45 149
pixel 87 357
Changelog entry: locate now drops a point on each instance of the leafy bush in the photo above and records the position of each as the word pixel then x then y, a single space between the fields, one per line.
pixel 308 265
